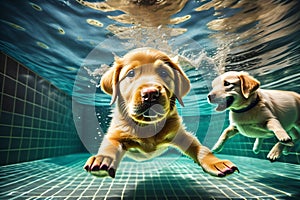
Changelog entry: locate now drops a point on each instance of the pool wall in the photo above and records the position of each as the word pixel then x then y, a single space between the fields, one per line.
pixel 35 119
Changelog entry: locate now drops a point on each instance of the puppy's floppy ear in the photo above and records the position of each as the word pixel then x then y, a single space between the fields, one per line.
pixel 182 82
pixel 110 79
pixel 248 84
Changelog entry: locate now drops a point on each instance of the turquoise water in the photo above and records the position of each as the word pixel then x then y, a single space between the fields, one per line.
pixel 70 44
pixel 65 41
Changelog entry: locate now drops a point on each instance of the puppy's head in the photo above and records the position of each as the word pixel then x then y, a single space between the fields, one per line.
pixel 146 83
pixel 232 90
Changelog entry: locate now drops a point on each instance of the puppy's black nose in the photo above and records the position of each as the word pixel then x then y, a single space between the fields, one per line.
pixel 150 94
pixel 211 97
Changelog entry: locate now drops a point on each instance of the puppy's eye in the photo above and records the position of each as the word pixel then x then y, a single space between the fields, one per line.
pixel 226 83
pixel 163 73
pixel 131 73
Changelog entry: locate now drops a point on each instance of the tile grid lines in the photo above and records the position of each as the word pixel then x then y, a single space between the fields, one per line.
pixel 12 120
pixel 33 128
pixel 126 183
pixel 183 176
pixel 241 188
pixel 33 104
pixel 4 72
pixel 153 185
pixel 141 177
pixel 173 192
pixel 46 126
pixel 90 184
pixel 29 70
pixel 78 187
pixel 2 89
pixel 69 176
pixel 109 189
pixel 24 84
pixel 271 188
pixel 39 127
pixel 264 171
pixel 163 191
pixel 279 175
pixel 242 183
pixel 32 119
pixel 43 148
pixel 40 174
pixel 98 190
pixel 22 125
pixel 67 180
pixel 195 188
pixel 23 121
pixel 244 189
pixel 10 183
pixel 229 183
pixel 136 182
pixel 251 181
pixel 144 186
pixel 214 185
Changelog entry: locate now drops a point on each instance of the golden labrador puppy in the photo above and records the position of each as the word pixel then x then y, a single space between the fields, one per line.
pixel 145 84
pixel 255 112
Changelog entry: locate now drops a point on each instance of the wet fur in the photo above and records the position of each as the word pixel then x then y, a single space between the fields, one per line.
pixel 141 135
pixel 256 113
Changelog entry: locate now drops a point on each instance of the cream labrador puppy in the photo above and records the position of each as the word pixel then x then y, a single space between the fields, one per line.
pixel 256 113
pixel 144 85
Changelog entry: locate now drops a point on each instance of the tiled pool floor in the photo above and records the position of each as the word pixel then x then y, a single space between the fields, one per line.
pixel 167 178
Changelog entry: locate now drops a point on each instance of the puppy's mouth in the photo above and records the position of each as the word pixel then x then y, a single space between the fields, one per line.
pixel 153 112
pixel 224 104
pixel 149 113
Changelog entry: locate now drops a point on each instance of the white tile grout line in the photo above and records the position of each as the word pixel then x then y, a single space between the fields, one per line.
pixel 127 180
pixel 94 196
pixel 109 189
pixel 69 175
pixel 77 187
pixel 41 174
pixel 46 183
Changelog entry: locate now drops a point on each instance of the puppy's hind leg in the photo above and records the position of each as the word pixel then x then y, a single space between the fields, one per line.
pixel 275 152
pixel 257 145
pixel 106 162
pixel 280 148
pixel 295 134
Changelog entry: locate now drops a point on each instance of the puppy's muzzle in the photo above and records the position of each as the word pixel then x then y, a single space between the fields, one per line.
pixel 211 97
pixel 151 101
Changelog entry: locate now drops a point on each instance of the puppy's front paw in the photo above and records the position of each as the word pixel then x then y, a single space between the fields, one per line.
pixel 100 166
pixel 220 168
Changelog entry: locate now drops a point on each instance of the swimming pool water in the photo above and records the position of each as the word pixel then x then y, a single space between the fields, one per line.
pixel 53 115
